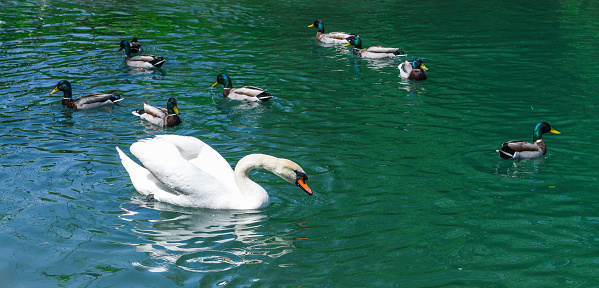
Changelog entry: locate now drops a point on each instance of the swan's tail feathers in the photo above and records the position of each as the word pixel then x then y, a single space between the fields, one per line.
pixel 399 53
pixel 158 62
pixel 264 96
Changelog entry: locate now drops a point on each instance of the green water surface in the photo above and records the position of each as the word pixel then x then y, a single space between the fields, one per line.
pixel 408 188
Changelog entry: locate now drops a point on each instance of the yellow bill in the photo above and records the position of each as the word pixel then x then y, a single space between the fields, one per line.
pixel 554 131
pixel 54 91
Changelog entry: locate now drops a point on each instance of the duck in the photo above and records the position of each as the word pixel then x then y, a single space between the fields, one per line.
pixel 374 51
pixel 84 102
pixel 332 37
pixel 185 171
pixel 168 117
pixel 141 61
pixel 517 150
pixel 413 71
pixel 134 46
pixel 245 93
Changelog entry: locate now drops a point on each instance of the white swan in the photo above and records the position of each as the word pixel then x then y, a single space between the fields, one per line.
pixel 185 171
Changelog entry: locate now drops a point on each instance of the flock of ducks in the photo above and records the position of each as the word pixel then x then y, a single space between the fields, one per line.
pixel 185 171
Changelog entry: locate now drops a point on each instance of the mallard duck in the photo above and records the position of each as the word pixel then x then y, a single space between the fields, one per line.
pixel 245 93
pixel 185 171
pixel 413 71
pixel 135 46
pixel 332 37
pixel 518 150
pixel 86 101
pixel 157 115
pixel 142 61
pixel 374 51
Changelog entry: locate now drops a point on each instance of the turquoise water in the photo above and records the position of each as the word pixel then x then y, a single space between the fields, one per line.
pixel 408 188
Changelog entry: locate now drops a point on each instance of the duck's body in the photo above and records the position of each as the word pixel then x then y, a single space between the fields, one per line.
pixel 84 102
pixel 375 52
pixel 185 171
pixel 140 61
pixel 160 116
pixel 332 37
pixel 246 93
pixel 413 71
pixel 135 47
pixel 517 149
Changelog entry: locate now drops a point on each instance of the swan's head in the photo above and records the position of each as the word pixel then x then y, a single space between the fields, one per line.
pixel 293 173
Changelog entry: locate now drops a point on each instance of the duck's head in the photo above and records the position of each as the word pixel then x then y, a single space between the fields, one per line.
pixel 125 46
pixel 541 129
pixel 171 106
pixel 318 24
pixel 417 64
pixel 354 40
pixel 64 86
pixel 134 39
pixel 224 79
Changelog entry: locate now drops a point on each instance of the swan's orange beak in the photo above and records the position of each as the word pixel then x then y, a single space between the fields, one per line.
pixel 301 182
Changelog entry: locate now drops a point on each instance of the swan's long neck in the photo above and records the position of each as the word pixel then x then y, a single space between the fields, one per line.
pixel 251 189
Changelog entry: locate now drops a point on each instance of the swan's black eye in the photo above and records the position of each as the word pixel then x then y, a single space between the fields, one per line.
pixel 300 175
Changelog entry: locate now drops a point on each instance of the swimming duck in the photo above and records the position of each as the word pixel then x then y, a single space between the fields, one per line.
pixel 142 61
pixel 245 93
pixel 332 37
pixel 185 171
pixel 518 150
pixel 157 115
pixel 134 46
pixel 413 71
pixel 86 101
pixel 374 51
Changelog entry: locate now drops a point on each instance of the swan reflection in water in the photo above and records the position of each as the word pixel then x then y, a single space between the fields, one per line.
pixel 200 240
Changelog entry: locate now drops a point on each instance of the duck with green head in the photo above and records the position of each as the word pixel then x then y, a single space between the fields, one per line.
pixel 84 102
pixel 168 117
pixel 140 61
pixel 374 51
pixel 517 150
pixel 332 37
pixel 245 93
pixel 413 71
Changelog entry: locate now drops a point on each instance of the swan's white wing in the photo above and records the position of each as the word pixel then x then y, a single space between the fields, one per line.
pixel 202 156
pixel 167 164
pixel 141 178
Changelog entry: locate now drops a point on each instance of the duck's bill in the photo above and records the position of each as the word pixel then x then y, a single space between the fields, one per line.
pixel 215 83
pixel 176 110
pixel 302 184
pixel 423 67
pixel 54 91
pixel 120 48
pixel 554 131
pixel 347 44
